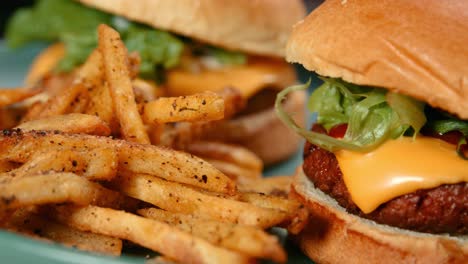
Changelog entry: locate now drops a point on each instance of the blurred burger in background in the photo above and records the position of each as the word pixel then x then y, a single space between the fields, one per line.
pixel 184 47
pixel 385 167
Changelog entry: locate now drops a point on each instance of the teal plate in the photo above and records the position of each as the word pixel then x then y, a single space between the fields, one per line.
pixel 19 249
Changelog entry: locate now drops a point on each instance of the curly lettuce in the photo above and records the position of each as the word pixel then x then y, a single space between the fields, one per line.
pixel 373 115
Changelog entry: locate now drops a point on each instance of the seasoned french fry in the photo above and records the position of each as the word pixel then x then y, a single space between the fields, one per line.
pixel 277 185
pixel 198 107
pixel 33 223
pixel 174 166
pixel 60 103
pixel 54 188
pixel 13 95
pixel 95 164
pixel 101 105
pixel 44 63
pixel 91 74
pixel 177 198
pixel 139 158
pixel 32 113
pixel 268 201
pixel 187 132
pixel 80 104
pixel 231 153
pixel 117 75
pixel 50 160
pixel 70 123
pixel 234 171
pixel 152 234
pixel 244 239
pixel 298 214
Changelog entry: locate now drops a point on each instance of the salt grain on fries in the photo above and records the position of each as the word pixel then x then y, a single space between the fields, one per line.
pixel 62 174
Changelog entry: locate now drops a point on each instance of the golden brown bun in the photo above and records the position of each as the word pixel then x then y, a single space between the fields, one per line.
pixel 334 236
pixel 418 48
pixel 260 26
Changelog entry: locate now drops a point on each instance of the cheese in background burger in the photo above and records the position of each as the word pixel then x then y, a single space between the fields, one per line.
pixel 187 46
pixel 390 140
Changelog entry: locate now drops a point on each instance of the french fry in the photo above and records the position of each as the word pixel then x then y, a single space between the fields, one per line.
pixel 32 113
pixel 54 188
pixel 44 63
pixel 187 132
pixel 32 223
pixel 139 158
pixel 178 198
pixel 234 171
pixel 80 104
pixel 155 235
pixel 244 239
pixel 235 161
pixel 71 123
pixel 174 166
pixel 101 106
pixel 10 96
pixel 268 201
pixel 60 103
pixel 95 164
pixel 46 161
pixel 230 153
pixel 298 214
pixel 277 185
pixel 198 107
pixel 117 75
pixel 91 74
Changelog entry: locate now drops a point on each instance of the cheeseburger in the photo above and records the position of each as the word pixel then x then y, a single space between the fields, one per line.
pixel 188 47
pixel 385 167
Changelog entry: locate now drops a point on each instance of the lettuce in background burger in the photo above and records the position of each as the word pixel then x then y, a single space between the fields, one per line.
pixel 385 167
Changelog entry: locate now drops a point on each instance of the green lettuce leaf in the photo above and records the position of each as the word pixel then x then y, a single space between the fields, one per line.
pixel 373 115
pixel 50 20
pixel 227 57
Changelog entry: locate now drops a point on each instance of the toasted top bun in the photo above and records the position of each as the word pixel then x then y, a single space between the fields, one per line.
pixel 335 236
pixel 260 26
pixel 418 48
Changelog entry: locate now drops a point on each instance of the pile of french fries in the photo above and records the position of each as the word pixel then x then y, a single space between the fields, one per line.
pixel 84 161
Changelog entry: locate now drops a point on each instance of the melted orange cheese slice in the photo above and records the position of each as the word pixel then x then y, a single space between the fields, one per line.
pixel 249 78
pixel 400 167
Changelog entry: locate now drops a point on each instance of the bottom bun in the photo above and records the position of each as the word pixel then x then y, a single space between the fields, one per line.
pixel 335 236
